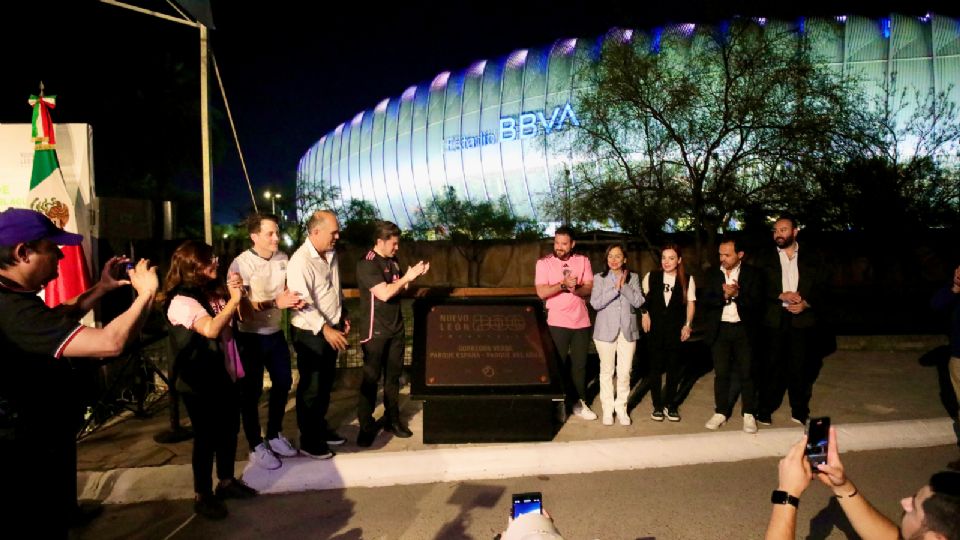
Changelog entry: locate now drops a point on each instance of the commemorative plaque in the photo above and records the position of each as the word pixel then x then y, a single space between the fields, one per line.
pixel 486 370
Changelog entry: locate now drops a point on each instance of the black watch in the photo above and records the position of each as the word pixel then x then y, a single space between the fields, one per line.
pixel 782 497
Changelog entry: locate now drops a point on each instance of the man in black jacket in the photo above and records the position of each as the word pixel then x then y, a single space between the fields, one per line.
pixel 795 294
pixel 733 297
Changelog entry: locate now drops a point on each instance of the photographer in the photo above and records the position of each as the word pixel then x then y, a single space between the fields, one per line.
pixel 37 424
pixel 933 513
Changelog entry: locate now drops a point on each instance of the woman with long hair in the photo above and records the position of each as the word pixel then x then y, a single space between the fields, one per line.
pixel 616 297
pixel 199 310
pixel 667 319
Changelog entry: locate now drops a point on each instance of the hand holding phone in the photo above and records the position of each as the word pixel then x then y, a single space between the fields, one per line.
pixel 526 503
pixel 818 441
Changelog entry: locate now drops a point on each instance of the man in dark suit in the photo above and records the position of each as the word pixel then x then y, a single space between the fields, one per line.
pixel 733 297
pixel 795 294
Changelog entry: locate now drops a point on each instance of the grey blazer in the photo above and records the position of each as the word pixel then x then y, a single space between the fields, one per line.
pixel 616 310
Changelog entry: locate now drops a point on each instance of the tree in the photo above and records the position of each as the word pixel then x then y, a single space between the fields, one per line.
pixel 468 225
pixel 357 223
pixel 902 177
pixel 310 197
pixel 697 125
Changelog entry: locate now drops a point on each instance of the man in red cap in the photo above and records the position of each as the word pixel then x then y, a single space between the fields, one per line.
pixel 37 429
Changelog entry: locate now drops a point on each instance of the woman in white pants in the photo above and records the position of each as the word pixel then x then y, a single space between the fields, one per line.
pixel 616 296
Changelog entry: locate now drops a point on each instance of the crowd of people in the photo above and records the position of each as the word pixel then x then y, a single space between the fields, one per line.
pixel 760 314
pixel 759 321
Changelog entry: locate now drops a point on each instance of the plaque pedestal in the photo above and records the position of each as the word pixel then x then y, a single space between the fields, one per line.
pixel 486 371
pixel 462 419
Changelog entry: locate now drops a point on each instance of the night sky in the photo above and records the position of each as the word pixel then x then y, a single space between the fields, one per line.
pixel 292 73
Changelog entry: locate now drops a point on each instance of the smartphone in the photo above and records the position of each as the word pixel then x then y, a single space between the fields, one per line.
pixel 526 503
pixel 818 438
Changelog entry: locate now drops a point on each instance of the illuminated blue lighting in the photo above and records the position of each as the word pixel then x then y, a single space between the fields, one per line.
pixel 841 18
pixel 802 25
pixel 517 59
pixel 339 130
pixel 357 119
pixel 477 68
pixel 762 21
pixel 686 29
pixel 409 93
pixel 440 81
pixel 566 46
pixel 927 17
pixel 885 27
pixel 382 106
pixel 655 37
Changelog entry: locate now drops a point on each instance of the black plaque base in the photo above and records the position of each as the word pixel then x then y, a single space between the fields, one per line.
pixel 462 419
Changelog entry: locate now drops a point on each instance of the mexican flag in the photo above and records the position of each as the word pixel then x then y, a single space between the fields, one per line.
pixel 48 195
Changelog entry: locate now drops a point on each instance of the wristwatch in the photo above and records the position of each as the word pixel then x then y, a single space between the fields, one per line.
pixel 782 497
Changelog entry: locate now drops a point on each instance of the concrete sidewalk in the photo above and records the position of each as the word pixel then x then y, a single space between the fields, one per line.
pixel 875 387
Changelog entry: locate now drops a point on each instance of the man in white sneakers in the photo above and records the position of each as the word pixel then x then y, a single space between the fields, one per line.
pixel 564 280
pixel 320 331
pixel 260 342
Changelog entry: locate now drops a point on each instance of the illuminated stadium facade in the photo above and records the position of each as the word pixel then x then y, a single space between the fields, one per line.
pixel 489 131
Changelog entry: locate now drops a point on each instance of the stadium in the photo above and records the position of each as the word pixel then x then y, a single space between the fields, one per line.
pixel 488 130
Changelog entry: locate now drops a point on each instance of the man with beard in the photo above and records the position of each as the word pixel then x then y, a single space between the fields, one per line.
pixel 794 303
pixel 564 279
pixel 932 513
pixel 734 301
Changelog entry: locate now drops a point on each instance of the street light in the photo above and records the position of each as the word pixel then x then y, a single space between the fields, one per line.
pixel 272 197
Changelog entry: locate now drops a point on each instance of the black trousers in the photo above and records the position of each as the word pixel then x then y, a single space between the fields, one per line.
pixel 786 370
pixel 733 353
pixel 380 356
pixel 216 422
pixel 664 359
pixel 576 342
pixel 317 364
pixel 259 351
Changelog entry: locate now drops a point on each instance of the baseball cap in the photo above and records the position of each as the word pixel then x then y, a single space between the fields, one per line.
pixel 19 225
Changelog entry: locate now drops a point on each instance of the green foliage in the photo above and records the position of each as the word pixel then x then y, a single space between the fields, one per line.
pixel 469 224
pixel 705 126
pixel 463 221
pixel 357 223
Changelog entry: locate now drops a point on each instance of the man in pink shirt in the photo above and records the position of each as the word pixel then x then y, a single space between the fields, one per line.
pixel 564 280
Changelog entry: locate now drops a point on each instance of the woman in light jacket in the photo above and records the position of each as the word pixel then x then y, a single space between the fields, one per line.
pixel 616 296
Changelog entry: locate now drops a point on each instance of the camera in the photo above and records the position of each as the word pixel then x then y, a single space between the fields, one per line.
pixel 526 503
pixel 818 439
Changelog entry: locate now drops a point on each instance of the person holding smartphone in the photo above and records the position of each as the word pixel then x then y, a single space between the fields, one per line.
pixel 667 320
pixel 932 513
pixel 616 296
pixel 528 520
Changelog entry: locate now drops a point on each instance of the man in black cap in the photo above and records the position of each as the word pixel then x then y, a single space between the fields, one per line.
pixel 37 428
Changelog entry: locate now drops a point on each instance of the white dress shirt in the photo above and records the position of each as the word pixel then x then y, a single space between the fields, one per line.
pixel 316 277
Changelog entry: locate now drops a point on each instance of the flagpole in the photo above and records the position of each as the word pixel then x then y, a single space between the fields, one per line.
pixel 205 139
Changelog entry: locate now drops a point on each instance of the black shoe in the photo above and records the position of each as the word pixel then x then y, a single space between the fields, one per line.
pixel 673 414
pixel 85 512
pixel 367 435
pixel 316 451
pixel 398 429
pixel 235 489
pixel 764 419
pixel 657 415
pixel 210 506
pixel 333 438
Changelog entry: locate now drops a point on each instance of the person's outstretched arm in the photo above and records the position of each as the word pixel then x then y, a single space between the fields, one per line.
pixel 866 520
pixel 794 476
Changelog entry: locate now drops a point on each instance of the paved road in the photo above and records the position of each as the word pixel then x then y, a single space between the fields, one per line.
pixel 708 501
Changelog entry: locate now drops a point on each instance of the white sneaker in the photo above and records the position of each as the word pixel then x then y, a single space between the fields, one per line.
pixel 623 416
pixel 607 418
pixel 715 421
pixel 749 423
pixel 282 447
pixel 264 458
pixel 582 410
